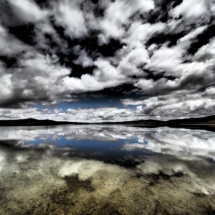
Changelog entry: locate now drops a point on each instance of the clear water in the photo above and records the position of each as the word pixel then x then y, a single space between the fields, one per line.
pixel 106 170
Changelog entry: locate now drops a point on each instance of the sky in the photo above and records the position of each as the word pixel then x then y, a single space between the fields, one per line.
pixel 107 60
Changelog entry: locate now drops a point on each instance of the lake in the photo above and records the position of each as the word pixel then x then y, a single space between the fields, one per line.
pixel 92 169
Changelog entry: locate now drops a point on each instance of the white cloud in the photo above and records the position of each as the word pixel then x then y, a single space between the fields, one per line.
pixel 192 10
pixel 136 57
pixel 10 45
pixel 138 33
pixel 132 102
pixel 156 69
pixel 186 40
pixel 39 78
pixel 180 105
pixel 188 76
pixel 69 15
pixel 104 114
pixel 5 84
pixel 44 28
pixel 99 114
pixel 83 59
pixel 206 53
pixel 20 13
pixel 118 13
pixel 105 76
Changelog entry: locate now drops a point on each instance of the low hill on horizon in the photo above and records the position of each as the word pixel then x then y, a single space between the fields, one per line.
pixel 208 120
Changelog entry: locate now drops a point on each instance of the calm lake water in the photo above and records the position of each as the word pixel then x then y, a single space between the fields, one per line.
pixel 106 170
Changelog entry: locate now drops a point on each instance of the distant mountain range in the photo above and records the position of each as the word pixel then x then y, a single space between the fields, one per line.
pixel 207 123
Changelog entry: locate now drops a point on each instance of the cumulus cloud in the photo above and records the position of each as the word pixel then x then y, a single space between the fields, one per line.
pixel 14 13
pixel 69 15
pixel 192 10
pixel 83 59
pixel 177 105
pixel 9 45
pixel 118 13
pixel 32 81
pixel 163 49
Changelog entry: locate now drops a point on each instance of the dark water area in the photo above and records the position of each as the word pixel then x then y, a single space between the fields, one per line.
pixel 106 170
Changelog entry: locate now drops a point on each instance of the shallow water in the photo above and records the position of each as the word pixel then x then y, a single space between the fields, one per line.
pixel 106 170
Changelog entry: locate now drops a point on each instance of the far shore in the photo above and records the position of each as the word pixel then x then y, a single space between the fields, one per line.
pixel 203 123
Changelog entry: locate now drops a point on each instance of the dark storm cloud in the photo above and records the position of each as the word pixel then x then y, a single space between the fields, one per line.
pixel 119 91
pixel 53 50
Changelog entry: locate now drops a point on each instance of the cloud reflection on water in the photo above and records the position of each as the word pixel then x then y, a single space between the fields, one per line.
pixel 117 138
pixel 170 167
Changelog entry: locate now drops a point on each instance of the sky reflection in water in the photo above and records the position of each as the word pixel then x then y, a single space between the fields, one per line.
pixel 116 140
pixel 95 168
